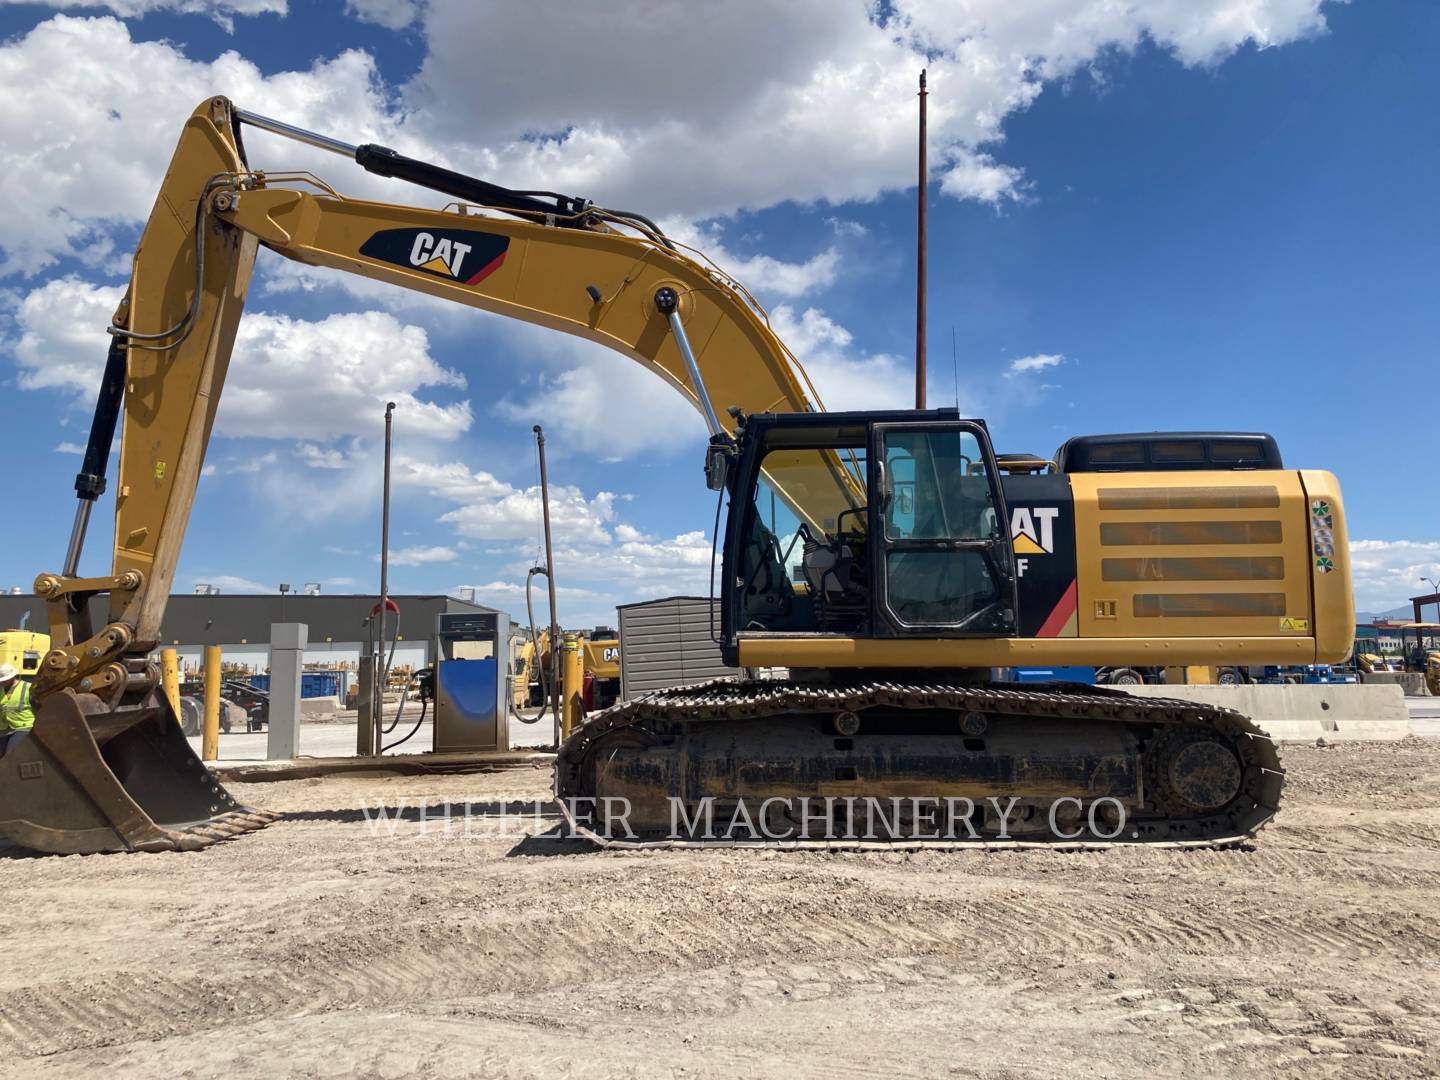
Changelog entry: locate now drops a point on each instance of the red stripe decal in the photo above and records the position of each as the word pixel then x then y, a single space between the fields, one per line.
pixel 1060 616
pixel 486 270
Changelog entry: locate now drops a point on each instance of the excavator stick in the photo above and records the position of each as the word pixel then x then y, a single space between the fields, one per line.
pixel 91 778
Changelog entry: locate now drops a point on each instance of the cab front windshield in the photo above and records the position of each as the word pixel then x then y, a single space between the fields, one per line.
pixel 803 564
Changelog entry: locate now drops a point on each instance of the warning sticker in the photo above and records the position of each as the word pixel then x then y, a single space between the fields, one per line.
pixel 1322 535
pixel 1289 623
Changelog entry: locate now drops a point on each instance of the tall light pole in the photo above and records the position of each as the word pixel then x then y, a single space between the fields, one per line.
pixel 378 683
pixel 1434 588
pixel 550 584
pixel 920 285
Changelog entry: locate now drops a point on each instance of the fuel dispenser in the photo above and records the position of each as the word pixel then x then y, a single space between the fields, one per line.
pixel 471 683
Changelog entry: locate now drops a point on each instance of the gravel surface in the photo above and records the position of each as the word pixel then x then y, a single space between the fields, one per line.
pixel 327 945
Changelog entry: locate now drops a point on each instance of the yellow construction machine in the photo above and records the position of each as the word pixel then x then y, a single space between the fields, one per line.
pixel 23 650
pixel 600 664
pixel 888 560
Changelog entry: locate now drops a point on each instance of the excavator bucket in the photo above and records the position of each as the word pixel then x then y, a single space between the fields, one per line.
pixel 91 778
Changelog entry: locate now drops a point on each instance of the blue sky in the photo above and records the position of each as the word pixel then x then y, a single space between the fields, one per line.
pixel 1221 218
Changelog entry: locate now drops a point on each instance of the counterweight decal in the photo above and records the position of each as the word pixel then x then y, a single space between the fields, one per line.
pixel 1042 526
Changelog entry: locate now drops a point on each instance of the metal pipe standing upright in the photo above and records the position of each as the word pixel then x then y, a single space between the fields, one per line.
pixel 210 731
pixel 377 711
pixel 920 262
pixel 170 680
pixel 550 583
pixel 573 684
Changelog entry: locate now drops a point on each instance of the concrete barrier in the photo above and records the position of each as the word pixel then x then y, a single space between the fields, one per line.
pixel 1412 683
pixel 319 706
pixel 1306 712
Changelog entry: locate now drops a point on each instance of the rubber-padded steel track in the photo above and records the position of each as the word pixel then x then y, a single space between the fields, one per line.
pixel 756 700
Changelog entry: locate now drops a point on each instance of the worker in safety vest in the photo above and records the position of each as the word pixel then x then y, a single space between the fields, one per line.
pixel 16 715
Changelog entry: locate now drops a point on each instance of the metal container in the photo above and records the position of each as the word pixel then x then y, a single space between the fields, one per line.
pixel 667 643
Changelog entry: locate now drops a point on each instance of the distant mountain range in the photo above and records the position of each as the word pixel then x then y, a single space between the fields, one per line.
pixel 1404 611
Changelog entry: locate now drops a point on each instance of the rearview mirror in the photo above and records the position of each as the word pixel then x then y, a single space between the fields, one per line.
pixel 717 462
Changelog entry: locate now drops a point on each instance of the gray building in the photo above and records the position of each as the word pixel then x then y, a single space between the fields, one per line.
pixel 240 624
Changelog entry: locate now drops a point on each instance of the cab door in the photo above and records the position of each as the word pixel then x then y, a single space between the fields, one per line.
pixel 942 557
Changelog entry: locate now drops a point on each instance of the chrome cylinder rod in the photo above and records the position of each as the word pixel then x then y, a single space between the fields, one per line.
pixel 77 538
pixel 667 302
pixel 290 131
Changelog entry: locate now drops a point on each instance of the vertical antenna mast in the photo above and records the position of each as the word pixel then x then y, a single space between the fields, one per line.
pixel 550 583
pixel 382 666
pixel 955 366
pixel 920 263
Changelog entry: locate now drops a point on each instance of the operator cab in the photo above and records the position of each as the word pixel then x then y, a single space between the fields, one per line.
pixel 867 525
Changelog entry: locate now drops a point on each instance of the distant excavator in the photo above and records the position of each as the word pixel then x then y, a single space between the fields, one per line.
pixel 889 560
pixel 600 665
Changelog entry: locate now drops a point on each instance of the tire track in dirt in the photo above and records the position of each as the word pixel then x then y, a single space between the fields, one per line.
pixel 518 952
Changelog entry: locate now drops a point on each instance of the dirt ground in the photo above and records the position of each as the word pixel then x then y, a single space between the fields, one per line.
pixel 324 946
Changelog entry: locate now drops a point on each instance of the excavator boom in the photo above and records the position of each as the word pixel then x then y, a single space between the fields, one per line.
pixel 106 767
pixel 874 555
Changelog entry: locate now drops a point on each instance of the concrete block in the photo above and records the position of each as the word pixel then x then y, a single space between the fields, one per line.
pixel 1306 712
pixel 319 706
pixel 289 635
pixel 1411 682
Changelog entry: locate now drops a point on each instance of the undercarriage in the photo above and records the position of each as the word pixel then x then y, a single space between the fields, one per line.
pixel 890 764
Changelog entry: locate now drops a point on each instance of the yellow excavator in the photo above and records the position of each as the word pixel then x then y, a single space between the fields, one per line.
pixel 600 663
pixel 890 561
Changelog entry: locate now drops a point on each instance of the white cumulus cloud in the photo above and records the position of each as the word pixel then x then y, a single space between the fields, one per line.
pixel 845 377
pixel 817 106
pixel 422 555
pixel 1387 573
pixel 391 14
pixel 1039 362
pixel 288 377
pixel 222 11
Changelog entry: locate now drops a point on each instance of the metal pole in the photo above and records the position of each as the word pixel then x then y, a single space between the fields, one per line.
pixel 170 679
pixel 573 683
pixel 365 695
pixel 377 710
pixel 550 584
pixel 210 732
pixel 920 262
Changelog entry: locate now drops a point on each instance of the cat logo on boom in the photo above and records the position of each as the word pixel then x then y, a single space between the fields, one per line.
pixel 463 255
pixel 442 255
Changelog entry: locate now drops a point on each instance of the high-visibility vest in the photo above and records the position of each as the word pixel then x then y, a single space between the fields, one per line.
pixel 15 711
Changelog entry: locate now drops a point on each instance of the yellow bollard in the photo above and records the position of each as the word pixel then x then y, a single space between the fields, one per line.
pixel 210 737
pixel 170 680
pixel 572 685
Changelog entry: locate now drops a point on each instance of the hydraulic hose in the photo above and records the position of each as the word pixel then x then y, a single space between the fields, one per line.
pixel 390 660
pixel 424 705
pixel 534 653
pixel 399 709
